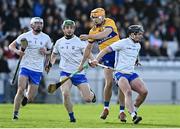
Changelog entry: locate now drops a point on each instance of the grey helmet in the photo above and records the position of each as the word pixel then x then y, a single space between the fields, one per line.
pixel 135 29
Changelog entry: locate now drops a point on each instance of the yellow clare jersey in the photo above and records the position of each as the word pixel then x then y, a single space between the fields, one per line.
pixel 111 38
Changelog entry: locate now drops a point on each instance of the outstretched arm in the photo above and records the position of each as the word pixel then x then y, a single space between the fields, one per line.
pixel 99 35
pixel 86 55
pixel 100 55
pixel 103 52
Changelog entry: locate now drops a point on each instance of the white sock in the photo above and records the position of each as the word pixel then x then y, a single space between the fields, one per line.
pixel 106 108
pixel 121 111
pixel 133 114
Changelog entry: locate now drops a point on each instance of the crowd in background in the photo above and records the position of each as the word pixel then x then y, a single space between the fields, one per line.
pixel 160 19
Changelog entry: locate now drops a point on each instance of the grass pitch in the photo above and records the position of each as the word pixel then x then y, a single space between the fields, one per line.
pixel 87 116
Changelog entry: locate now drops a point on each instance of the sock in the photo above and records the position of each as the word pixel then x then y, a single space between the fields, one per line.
pixel 71 115
pixel 16 113
pixel 121 108
pixel 106 105
pixel 133 114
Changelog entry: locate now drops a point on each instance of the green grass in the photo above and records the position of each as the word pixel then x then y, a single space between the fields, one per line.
pixel 52 115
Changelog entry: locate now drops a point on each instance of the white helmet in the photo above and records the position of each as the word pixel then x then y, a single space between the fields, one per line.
pixel 36 19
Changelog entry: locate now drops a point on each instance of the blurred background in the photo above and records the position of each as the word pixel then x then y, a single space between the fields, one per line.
pixel 160 53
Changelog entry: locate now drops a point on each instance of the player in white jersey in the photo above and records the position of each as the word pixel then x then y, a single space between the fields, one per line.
pixel 71 48
pixel 127 51
pixel 32 64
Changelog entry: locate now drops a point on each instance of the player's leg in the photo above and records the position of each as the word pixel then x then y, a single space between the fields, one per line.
pixel 22 82
pixel 66 93
pixel 31 92
pixel 34 80
pixel 123 82
pixel 108 73
pixel 139 86
pixel 87 93
pixel 81 82
pixel 126 89
pixel 122 115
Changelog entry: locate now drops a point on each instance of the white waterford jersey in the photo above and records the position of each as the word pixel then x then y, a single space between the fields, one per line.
pixel 32 59
pixel 126 54
pixel 71 53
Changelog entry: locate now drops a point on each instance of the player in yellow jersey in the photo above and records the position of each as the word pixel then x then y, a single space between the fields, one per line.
pixel 104 32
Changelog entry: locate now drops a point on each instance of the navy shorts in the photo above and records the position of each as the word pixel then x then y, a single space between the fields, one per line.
pixel 108 59
pixel 33 76
pixel 76 79
pixel 129 77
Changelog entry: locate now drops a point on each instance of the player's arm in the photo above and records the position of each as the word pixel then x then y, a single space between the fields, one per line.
pixel 51 62
pixel 86 55
pixel 53 58
pixel 137 63
pixel 91 57
pixel 99 35
pixel 13 48
pixel 103 52
pixel 100 55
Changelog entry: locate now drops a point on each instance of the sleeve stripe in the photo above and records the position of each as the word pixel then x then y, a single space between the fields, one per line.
pixel 109 27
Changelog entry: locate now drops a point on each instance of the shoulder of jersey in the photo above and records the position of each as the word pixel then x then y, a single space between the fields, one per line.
pixel 60 40
pixel 44 34
pixel 109 20
pixel 26 33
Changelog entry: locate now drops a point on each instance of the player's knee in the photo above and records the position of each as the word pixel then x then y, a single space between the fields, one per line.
pixel 129 92
pixel 66 95
pixel 20 91
pixel 144 92
pixel 87 99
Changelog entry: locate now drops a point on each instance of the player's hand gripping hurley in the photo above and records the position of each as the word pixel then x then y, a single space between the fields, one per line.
pixel 24 44
pixel 54 87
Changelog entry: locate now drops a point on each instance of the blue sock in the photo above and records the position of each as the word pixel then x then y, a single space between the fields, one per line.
pixel 16 113
pixel 121 107
pixel 71 115
pixel 106 104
